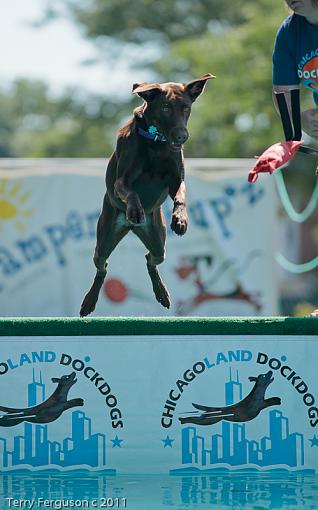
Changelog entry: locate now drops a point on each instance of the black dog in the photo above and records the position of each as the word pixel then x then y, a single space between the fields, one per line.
pixel 145 168
pixel 46 411
pixel 245 410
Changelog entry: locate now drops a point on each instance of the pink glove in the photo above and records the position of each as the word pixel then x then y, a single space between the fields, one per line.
pixel 275 156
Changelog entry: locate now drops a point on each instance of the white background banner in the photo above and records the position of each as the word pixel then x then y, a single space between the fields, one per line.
pixel 224 265
pixel 159 404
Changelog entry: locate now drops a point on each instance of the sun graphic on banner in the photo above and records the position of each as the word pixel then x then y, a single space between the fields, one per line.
pixel 13 204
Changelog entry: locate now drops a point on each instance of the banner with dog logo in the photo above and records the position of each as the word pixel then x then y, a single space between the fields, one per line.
pixel 223 265
pixel 159 404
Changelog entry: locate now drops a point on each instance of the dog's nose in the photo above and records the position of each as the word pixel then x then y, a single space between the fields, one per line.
pixel 179 134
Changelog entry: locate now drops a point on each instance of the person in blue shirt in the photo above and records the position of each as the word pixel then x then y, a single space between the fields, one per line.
pixel 295 58
pixel 295 62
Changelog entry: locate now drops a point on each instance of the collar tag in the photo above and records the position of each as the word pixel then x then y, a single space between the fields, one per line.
pixel 152 134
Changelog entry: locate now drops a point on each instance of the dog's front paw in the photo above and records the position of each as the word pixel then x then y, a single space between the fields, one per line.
pixel 135 213
pixel 179 221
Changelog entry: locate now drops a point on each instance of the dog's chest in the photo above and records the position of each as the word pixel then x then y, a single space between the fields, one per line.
pixel 152 181
pixel 156 165
pixel 158 162
pixel 156 175
pixel 152 185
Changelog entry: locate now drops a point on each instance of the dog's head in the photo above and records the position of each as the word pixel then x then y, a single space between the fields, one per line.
pixel 169 106
pixel 66 381
pixel 263 380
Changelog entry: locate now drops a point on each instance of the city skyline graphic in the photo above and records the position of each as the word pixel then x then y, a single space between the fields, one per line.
pixel 233 447
pixel 34 447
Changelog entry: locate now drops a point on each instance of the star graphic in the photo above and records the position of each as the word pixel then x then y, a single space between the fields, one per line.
pixel 167 442
pixel 116 442
pixel 314 441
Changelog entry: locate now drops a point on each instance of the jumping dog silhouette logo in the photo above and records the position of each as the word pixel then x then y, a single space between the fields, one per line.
pixel 242 411
pixel 246 423
pixel 53 430
pixel 45 412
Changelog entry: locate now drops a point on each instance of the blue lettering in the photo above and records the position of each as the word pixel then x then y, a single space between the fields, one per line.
pixel 74 225
pixel 208 364
pixel 33 249
pixel 24 359
pixel 50 356
pixel 43 356
pixel 8 263
pixel 254 192
pixel 197 213
pixel 92 222
pixel 222 208
pixel 230 191
pixel 221 358
pixel 57 236
pixel 37 356
pixel 246 356
pixel 231 356
pixel 11 365
pixel 234 355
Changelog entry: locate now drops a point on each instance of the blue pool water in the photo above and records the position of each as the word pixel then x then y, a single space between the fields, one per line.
pixel 139 492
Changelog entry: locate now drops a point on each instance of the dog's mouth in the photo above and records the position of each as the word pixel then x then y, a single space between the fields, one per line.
pixel 176 147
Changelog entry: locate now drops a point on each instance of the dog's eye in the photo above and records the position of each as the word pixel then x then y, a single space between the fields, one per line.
pixel 186 109
pixel 166 108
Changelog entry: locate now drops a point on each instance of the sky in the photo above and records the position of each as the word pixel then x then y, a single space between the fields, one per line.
pixel 52 53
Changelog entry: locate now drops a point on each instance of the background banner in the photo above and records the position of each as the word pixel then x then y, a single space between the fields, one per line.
pixel 159 404
pixel 224 265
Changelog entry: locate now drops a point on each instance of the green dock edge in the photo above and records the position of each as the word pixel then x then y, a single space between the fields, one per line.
pixel 109 326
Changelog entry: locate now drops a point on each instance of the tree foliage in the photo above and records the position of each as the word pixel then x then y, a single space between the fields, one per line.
pixel 235 116
pixel 35 124
pixel 143 21
pixel 233 40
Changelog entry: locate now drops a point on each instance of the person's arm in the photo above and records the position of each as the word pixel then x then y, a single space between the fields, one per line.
pixel 285 89
pixel 309 118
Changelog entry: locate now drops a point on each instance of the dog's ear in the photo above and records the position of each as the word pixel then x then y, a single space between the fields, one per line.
pixel 136 85
pixel 147 91
pixel 196 87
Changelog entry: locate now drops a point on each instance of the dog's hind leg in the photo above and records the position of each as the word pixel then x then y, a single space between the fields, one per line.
pixel 111 228
pixel 159 288
pixel 91 298
pixel 153 236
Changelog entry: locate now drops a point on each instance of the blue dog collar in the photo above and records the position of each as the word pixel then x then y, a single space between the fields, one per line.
pixel 152 134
